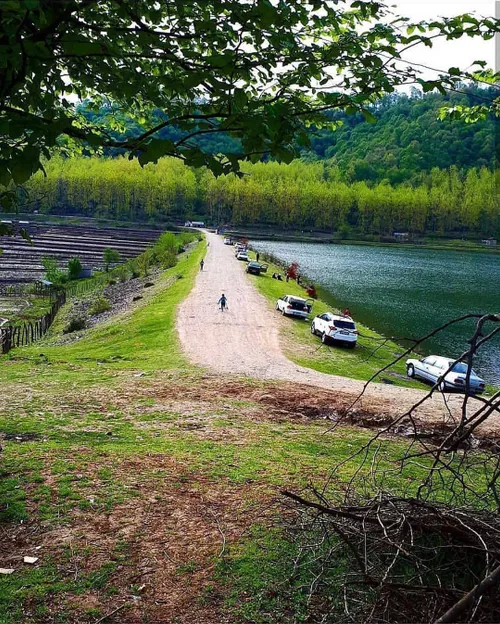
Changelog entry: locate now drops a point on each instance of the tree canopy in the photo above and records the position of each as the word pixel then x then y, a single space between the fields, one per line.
pixel 296 195
pixel 258 70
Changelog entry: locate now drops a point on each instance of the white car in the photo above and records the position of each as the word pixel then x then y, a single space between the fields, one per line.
pixel 243 256
pixel 228 241
pixel 433 369
pixel 335 328
pixel 290 305
pixel 239 248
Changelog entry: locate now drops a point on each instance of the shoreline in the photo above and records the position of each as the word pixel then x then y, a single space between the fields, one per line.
pixel 435 245
pixel 327 297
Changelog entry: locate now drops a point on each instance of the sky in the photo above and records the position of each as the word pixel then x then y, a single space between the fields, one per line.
pixel 445 54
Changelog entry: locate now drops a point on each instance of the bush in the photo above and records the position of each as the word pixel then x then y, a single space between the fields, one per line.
pixel 76 323
pixel 100 305
pixel 52 271
pixel 133 267
pixel 74 268
pixel 110 256
pixel 121 273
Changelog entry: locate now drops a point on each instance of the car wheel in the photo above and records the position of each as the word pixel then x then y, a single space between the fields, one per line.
pixel 410 370
pixel 313 329
pixel 277 307
pixel 351 345
pixel 283 312
pixel 324 338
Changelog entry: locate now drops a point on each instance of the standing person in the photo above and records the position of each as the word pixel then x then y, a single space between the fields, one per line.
pixel 222 302
pixel 202 264
pixel 257 256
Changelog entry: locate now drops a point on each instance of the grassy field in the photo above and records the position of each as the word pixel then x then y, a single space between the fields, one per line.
pixel 149 489
pixel 372 351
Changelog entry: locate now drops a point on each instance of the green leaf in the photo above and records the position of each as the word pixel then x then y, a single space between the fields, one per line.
pixel 155 149
pixel 369 117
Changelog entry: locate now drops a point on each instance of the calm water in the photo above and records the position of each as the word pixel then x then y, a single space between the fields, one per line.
pixel 406 292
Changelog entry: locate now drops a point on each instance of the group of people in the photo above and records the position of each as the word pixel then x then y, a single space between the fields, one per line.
pixel 278 276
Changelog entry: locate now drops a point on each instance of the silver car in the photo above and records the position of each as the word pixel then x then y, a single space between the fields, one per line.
pixel 434 367
pixel 289 305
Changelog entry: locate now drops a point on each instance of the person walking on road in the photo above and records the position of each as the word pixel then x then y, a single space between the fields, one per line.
pixel 202 264
pixel 222 302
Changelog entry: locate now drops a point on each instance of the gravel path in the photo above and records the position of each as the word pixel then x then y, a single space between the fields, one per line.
pixel 244 340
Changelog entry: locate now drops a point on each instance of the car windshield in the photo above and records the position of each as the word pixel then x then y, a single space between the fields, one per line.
pixel 460 367
pixel 345 325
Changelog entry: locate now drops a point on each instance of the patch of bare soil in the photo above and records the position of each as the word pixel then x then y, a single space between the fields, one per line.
pixel 281 401
pixel 164 544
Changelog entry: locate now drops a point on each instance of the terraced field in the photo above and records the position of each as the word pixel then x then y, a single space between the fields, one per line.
pixel 22 261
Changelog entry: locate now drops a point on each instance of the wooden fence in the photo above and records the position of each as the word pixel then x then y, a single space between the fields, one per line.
pixel 23 335
pixel 78 288
pixel 23 290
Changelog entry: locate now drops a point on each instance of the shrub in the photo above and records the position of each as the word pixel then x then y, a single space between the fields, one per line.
pixel 133 267
pixel 121 273
pixel 100 305
pixel 144 262
pixel 110 256
pixel 74 268
pixel 52 271
pixel 76 323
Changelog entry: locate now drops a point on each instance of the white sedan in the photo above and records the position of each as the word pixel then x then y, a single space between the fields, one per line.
pixel 335 328
pixel 243 256
pixel 434 367
pixel 289 305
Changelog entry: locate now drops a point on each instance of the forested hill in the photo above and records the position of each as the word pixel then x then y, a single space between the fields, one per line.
pixel 406 140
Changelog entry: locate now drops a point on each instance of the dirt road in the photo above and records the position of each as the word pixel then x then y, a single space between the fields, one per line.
pixel 244 340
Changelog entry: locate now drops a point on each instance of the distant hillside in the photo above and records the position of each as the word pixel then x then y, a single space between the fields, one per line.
pixel 407 139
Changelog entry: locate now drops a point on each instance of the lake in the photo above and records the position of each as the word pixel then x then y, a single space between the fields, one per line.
pixel 406 292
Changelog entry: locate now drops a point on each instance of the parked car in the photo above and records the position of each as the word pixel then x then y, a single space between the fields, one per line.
pixel 434 367
pixel 256 268
pixel 239 248
pixel 243 256
pixel 290 305
pixel 335 328
pixel 228 241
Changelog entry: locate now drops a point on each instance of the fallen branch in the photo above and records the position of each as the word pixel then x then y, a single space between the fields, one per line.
pixel 467 601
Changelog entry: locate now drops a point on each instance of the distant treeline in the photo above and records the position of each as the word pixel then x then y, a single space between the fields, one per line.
pixel 305 195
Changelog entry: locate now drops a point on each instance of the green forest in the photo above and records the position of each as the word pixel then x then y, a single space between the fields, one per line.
pixel 311 195
pixel 409 171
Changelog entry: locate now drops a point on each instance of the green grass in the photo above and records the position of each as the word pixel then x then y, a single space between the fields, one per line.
pixel 106 439
pixel 145 339
pixel 371 354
